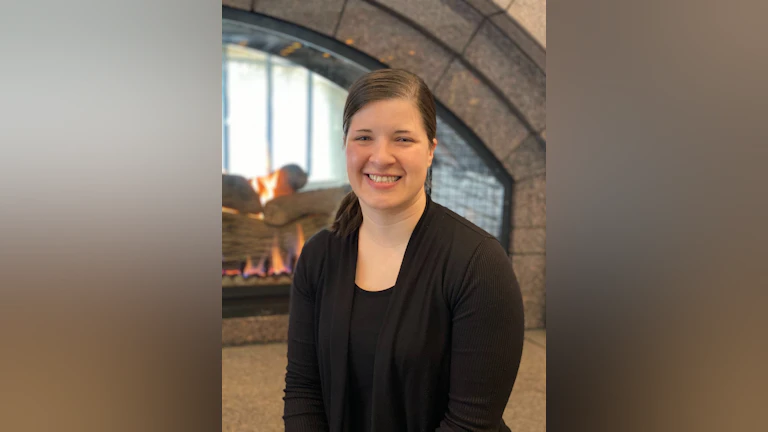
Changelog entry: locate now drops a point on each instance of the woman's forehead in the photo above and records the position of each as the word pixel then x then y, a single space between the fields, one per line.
pixel 391 114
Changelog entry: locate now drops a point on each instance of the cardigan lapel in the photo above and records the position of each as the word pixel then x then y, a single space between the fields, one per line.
pixel 343 284
pixel 384 414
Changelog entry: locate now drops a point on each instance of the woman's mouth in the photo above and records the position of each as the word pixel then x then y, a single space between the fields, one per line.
pixel 383 179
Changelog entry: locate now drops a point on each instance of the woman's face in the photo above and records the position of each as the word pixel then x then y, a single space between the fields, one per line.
pixel 388 154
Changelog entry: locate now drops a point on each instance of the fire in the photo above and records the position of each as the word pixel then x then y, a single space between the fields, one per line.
pixel 266 186
pixel 229 210
pixel 278 265
pixel 299 240
pixel 274 262
pixel 251 270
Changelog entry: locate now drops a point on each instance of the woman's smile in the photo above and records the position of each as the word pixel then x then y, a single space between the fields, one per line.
pixel 382 182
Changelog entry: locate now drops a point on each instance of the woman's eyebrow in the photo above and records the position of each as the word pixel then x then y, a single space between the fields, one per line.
pixel 364 130
pixel 402 131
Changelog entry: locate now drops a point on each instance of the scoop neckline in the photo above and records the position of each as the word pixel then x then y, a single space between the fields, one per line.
pixel 373 293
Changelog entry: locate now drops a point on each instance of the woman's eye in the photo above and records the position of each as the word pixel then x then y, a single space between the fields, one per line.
pixel 363 138
pixel 403 139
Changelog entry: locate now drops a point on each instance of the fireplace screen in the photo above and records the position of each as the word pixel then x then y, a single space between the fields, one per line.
pixel 283 94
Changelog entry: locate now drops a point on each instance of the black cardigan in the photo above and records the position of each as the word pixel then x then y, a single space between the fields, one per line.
pixel 448 351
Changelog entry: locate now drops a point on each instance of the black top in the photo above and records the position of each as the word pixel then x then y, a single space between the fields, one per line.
pixel 368 309
pixel 448 349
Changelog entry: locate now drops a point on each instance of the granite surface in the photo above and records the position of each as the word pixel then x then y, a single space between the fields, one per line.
pixel 253 379
pixel 531 275
pixel 485 7
pixel 259 329
pixel 529 159
pixel 238 4
pixel 481 109
pixel 529 203
pixel 504 4
pixel 538 337
pixel 451 21
pixel 319 15
pixel 532 14
pixel 529 45
pixel 507 66
pixel 528 240
pixel 392 41
pixel 252 383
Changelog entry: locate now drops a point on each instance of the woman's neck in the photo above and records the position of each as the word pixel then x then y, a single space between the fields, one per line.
pixel 391 229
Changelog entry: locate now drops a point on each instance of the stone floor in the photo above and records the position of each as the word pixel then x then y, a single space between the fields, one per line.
pixel 252 380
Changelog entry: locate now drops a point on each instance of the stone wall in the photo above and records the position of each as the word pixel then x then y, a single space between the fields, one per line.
pixel 484 66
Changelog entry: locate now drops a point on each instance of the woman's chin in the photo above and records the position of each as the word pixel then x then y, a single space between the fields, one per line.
pixel 381 203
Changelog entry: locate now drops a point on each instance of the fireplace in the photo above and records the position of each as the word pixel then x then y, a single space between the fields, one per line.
pixel 262 237
pixel 265 223
pixel 284 171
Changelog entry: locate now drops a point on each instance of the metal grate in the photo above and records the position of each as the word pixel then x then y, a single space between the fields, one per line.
pixel 462 181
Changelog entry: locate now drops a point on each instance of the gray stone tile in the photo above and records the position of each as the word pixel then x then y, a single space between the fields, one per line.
pixel 451 21
pixel 392 41
pixel 481 109
pixel 528 240
pixel 531 14
pixel 504 4
pixel 485 7
pixel 260 329
pixel 238 4
pixel 531 275
pixel 522 39
pixel 318 15
pixel 506 65
pixel 529 203
pixel 528 160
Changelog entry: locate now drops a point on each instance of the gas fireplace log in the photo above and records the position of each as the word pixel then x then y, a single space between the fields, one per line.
pixel 285 209
pixel 244 237
pixel 237 193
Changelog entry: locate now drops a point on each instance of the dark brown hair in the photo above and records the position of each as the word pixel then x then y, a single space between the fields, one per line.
pixel 375 86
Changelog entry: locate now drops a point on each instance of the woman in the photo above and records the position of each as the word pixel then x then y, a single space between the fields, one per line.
pixel 404 316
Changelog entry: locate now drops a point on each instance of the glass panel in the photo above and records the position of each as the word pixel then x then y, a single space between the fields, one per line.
pixel 289 116
pixel 328 160
pixel 247 95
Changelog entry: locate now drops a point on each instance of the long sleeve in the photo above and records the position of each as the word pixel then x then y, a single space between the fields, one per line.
pixel 304 410
pixel 486 342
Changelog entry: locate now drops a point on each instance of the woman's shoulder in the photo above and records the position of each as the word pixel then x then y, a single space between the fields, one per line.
pixel 458 230
pixel 318 243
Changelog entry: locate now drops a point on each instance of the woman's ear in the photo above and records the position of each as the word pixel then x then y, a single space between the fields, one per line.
pixel 432 151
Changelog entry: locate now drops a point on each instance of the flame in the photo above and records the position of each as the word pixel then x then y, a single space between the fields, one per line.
pixel 251 269
pixel 299 240
pixel 229 210
pixel 259 216
pixel 266 186
pixel 231 272
pixel 278 265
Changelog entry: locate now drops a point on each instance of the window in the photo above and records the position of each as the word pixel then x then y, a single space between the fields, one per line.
pixel 277 113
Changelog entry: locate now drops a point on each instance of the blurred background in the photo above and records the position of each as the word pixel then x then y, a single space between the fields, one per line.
pixel 286 66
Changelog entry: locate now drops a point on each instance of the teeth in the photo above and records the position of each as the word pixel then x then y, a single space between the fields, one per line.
pixel 383 179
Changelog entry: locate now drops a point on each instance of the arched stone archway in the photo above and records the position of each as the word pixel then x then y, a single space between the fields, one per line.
pixel 484 67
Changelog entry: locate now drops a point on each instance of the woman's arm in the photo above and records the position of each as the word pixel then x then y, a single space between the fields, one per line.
pixel 487 342
pixel 304 410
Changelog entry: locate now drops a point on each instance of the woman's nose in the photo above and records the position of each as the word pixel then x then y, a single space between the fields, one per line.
pixel 382 154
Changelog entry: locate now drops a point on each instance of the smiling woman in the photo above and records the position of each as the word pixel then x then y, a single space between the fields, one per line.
pixel 389 135
pixel 404 315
